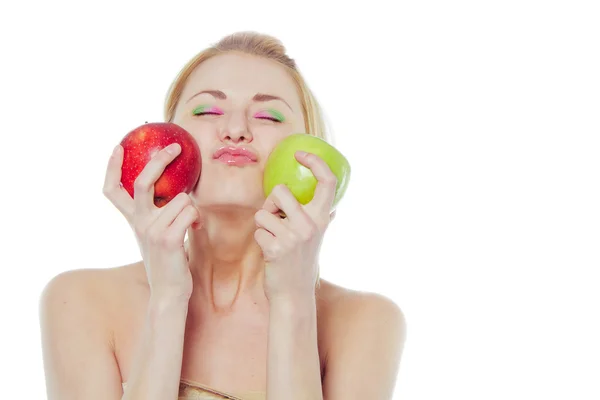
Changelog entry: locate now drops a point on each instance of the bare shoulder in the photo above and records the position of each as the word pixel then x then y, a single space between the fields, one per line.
pixel 72 288
pixel 348 313
pixel 344 303
pixel 364 336
pixel 92 289
pixel 77 312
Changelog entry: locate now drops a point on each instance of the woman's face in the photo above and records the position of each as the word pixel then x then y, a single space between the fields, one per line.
pixel 237 107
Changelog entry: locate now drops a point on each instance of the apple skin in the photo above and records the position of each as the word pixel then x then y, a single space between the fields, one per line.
pixel 283 168
pixel 180 175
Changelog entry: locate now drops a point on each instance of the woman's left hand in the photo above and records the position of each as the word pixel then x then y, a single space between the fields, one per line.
pixel 291 245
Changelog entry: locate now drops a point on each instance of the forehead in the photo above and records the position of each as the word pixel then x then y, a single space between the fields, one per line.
pixel 241 76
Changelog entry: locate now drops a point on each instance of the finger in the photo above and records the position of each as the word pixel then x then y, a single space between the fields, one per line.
pixel 270 222
pixel 169 212
pixel 144 184
pixel 326 180
pixel 181 224
pixel 282 199
pixel 266 241
pixel 112 189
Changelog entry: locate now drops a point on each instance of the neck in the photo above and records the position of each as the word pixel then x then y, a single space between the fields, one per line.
pixel 226 263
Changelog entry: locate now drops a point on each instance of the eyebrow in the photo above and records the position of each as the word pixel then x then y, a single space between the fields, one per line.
pixel 259 97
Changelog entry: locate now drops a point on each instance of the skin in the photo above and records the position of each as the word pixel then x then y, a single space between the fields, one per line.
pixel 252 320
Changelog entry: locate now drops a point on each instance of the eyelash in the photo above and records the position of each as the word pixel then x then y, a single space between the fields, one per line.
pixel 269 118
pixel 207 113
pixel 204 109
pixel 217 113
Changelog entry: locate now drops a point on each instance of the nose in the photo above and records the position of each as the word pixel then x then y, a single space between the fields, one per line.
pixel 235 129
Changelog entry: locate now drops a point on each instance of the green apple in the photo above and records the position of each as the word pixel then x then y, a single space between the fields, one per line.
pixel 283 168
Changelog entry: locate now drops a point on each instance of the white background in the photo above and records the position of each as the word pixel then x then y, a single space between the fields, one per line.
pixel 473 132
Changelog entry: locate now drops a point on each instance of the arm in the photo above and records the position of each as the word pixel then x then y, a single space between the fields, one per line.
pixel 366 346
pixel 293 366
pixel 78 355
pixel 79 362
pixel 156 367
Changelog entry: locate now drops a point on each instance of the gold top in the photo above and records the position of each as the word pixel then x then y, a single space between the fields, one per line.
pixel 189 390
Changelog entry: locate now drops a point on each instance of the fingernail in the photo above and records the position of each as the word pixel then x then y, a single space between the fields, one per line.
pixel 117 149
pixel 302 153
pixel 173 148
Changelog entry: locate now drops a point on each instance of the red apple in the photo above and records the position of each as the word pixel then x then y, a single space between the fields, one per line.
pixel 181 175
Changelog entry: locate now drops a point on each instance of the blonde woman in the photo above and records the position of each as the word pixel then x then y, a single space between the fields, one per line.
pixel 206 319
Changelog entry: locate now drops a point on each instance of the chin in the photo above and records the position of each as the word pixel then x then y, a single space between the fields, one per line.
pixel 228 195
pixel 230 187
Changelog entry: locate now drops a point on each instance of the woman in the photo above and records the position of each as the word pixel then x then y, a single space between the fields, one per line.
pixel 238 311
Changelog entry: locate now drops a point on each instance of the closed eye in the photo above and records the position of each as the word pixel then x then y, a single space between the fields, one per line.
pixel 272 115
pixel 269 118
pixel 207 110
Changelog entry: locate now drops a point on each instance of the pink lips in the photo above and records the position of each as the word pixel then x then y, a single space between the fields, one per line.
pixel 235 156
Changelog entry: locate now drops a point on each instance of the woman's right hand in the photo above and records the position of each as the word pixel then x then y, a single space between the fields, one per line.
pixel 160 232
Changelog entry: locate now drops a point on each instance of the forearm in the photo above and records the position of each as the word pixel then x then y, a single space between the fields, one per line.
pixel 293 366
pixel 156 367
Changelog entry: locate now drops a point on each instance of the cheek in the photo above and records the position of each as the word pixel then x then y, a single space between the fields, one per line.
pixel 201 134
pixel 299 125
pixel 266 145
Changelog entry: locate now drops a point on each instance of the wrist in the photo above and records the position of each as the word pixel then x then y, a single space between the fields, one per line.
pixel 167 302
pixel 170 293
pixel 294 305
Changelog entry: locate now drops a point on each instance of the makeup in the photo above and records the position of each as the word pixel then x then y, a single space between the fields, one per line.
pixel 207 109
pixel 235 156
pixel 271 114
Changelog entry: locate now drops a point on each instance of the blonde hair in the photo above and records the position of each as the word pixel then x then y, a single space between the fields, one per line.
pixel 260 45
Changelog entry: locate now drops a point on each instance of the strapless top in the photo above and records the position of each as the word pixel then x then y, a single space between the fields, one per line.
pixel 189 390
